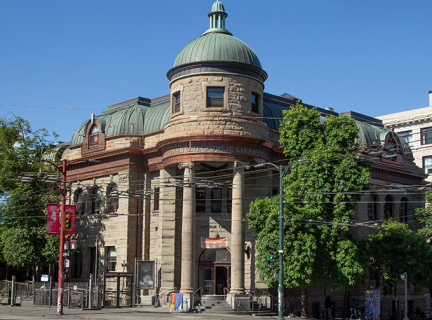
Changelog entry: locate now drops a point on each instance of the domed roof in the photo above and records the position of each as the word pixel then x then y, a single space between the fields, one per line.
pixel 217 47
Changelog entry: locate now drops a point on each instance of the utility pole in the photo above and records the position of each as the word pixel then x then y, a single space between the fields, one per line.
pixel 282 173
pixel 62 234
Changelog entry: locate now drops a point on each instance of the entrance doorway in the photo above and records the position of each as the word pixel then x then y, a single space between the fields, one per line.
pixel 214 271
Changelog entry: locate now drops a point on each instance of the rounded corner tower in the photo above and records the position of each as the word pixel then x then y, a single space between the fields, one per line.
pixel 216 75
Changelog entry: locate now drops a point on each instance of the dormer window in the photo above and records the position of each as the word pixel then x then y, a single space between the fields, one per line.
pixel 94 136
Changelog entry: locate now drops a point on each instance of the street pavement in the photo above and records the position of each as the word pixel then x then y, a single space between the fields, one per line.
pixel 147 313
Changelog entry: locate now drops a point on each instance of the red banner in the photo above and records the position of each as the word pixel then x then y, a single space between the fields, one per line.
pixel 53 218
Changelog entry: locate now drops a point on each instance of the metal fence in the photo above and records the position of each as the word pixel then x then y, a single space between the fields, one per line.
pixel 5 287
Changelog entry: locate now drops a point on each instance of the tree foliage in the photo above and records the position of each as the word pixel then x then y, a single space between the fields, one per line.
pixel 23 242
pixel 317 247
pixel 397 249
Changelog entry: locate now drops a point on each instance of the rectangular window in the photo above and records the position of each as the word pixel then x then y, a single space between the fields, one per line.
pixel 215 97
pixel 407 135
pixel 229 201
pixel 176 102
pixel 111 258
pixel 426 135
pixel 216 200
pixel 427 164
pixel 200 200
pixel 156 199
pixel 254 102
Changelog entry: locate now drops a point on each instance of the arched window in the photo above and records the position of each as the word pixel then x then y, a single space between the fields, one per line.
pixel 113 199
pixel 96 200
pixel 79 201
pixel 94 136
pixel 388 207
pixel 215 255
pixel 403 210
pixel 373 207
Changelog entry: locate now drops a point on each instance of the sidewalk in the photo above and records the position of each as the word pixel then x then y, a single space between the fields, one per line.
pixel 148 313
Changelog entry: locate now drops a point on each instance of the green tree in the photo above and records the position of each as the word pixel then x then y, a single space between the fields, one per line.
pixel 23 242
pixel 397 249
pixel 424 216
pixel 317 245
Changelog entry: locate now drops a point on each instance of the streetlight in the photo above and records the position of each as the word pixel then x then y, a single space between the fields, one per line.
pixel 62 170
pixel 282 173
pixel 404 277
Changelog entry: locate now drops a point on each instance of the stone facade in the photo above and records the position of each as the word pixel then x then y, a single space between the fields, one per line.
pixel 178 193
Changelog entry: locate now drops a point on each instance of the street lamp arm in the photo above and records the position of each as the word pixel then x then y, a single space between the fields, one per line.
pixel 48 161
pixel 58 167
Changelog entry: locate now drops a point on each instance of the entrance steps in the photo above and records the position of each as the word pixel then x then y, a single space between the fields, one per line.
pixel 214 304
pixel 261 311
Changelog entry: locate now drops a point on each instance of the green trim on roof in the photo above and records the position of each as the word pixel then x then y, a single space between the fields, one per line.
pixel 136 119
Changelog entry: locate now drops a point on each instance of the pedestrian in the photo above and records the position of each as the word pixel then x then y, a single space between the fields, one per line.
pixel 328 307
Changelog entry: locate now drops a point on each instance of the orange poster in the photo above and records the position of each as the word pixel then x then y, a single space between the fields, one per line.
pixel 172 301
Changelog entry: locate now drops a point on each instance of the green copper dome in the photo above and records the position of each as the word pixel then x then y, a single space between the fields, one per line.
pixel 216 49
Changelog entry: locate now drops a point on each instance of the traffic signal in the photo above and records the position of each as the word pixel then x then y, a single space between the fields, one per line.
pixel 271 256
pixel 68 222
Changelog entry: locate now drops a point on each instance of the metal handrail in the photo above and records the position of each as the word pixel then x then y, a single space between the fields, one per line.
pixel 196 291
pixel 172 289
pixel 252 294
pixel 192 296
pixel 239 304
pixel 265 292
pixel 225 289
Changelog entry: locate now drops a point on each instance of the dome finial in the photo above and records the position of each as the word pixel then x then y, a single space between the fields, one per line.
pixel 217 17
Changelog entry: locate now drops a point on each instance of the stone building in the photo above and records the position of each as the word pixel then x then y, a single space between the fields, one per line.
pixel 415 126
pixel 174 175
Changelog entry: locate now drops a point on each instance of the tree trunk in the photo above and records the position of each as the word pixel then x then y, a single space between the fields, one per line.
pixel 345 310
pixel 377 283
pixel 304 302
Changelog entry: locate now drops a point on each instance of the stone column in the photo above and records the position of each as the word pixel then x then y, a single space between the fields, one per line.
pixel 188 231
pixel 167 225
pixel 237 232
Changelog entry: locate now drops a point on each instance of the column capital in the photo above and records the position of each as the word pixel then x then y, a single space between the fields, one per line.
pixel 239 165
pixel 189 165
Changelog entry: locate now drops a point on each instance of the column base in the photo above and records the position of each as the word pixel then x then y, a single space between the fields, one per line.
pixel 187 291
pixel 237 291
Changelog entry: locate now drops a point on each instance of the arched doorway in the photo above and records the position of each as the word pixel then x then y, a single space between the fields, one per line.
pixel 214 271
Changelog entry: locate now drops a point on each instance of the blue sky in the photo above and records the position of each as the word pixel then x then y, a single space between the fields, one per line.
pixel 372 57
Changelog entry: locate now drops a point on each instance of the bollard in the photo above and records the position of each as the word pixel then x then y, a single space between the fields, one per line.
pixel 90 291
pixel 12 302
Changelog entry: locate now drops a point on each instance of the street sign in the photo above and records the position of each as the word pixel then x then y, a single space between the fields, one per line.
pixel 45 278
pixel 66 263
pixel 276 275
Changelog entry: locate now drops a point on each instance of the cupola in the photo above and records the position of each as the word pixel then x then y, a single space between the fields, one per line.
pixel 217 51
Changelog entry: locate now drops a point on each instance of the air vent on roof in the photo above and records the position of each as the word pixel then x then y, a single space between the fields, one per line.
pixel 329 109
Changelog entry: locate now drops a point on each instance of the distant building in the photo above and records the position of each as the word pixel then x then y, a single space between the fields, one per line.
pixel 415 126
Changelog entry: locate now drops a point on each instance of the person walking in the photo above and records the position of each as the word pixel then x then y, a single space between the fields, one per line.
pixel 328 307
